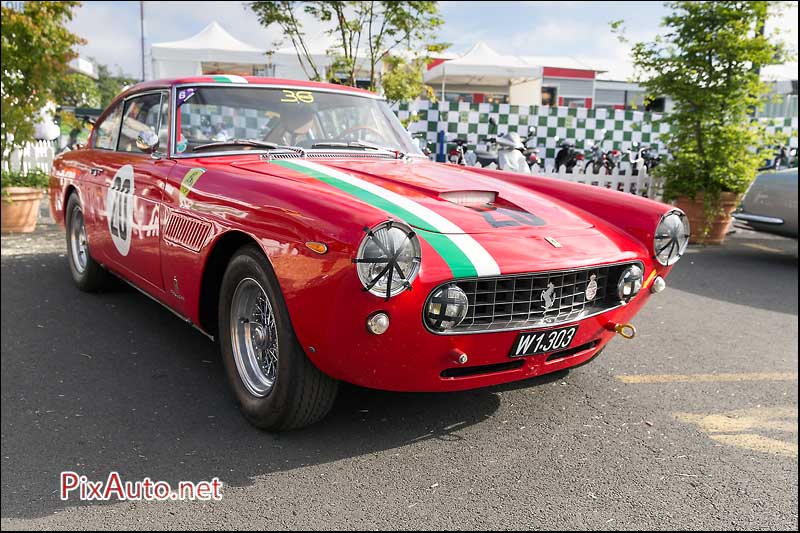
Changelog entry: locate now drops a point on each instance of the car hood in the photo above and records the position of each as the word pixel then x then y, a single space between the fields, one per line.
pixel 519 231
pixel 455 194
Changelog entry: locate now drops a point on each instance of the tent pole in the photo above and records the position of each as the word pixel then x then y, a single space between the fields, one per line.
pixel 141 28
pixel 443 78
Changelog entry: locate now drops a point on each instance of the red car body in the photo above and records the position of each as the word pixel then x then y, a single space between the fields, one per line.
pixel 181 240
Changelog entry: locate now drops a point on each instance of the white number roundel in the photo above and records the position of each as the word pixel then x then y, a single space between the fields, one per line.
pixel 119 208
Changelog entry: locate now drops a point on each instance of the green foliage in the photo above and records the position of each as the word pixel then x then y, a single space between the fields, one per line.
pixel 110 85
pixel 35 178
pixel 77 90
pixel 708 62
pixel 366 33
pixel 36 48
pixel 283 13
pixel 403 80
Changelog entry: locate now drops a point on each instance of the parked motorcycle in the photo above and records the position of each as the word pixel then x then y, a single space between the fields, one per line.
pixel 457 153
pixel 651 159
pixel 595 155
pixel 422 142
pixel 488 154
pixel 642 157
pixel 782 159
pixel 531 152
pixel 511 155
pixel 567 156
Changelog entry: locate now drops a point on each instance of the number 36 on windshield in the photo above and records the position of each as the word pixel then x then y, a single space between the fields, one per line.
pixel 297 97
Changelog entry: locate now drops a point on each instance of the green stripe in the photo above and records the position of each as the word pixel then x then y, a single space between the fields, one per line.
pixel 459 263
pixel 221 79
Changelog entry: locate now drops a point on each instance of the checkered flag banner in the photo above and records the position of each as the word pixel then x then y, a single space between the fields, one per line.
pixel 579 125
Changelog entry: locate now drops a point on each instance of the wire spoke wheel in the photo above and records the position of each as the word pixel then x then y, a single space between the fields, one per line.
pixel 79 246
pixel 254 337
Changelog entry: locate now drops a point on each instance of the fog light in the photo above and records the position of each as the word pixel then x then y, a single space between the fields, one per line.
pixel 378 323
pixel 658 285
pixel 446 308
pixel 630 283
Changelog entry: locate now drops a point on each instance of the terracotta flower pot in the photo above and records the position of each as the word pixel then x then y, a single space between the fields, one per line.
pixel 695 211
pixel 20 209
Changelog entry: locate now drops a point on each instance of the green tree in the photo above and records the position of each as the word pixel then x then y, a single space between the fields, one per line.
pixel 110 85
pixel 77 90
pixel 403 80
pixel 284 14
pixel 36 48
pixel 366 33
pixel 708 62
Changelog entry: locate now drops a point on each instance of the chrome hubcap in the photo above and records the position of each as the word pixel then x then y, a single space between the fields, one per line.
pixel 254 336
pixel 78 243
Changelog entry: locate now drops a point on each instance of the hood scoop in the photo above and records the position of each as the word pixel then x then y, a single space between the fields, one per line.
pixel 469 198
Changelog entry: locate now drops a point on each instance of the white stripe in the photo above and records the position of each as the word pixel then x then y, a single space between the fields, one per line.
pixel 235 79
pixel 483 262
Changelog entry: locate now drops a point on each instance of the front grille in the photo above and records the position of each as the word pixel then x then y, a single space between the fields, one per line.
pixel 518 301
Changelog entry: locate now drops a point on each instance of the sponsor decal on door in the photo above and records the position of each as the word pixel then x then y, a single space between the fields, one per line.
pixel 119 209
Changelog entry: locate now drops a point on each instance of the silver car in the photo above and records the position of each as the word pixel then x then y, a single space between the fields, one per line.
pixel 770 204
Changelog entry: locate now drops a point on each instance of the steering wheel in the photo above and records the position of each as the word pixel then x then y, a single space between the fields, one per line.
pixel 350 131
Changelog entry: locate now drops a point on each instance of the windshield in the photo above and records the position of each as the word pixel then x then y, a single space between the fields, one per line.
pixel 288 117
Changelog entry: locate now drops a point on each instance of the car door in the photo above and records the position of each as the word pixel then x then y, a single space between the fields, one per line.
pixel 96 159
pixel 132 191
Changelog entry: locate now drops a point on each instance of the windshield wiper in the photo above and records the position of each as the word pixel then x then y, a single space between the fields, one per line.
pixel 247 142
pixel 363 145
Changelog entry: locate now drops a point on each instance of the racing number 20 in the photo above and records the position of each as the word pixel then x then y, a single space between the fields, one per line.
pixel 119 207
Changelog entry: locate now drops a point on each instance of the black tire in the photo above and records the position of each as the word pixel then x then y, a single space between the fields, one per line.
pixel 89 275
pixel 300 394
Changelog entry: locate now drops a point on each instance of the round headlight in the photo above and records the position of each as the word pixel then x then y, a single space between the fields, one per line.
pixel 388 259
pixel 446 308
pixel 672 237
pixel 630 283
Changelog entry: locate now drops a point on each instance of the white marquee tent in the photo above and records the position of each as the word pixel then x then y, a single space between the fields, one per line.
pixel 482 66
pixel 212 48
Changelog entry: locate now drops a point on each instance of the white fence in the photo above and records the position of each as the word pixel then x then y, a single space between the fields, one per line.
pixel 620 179
pixel 37 154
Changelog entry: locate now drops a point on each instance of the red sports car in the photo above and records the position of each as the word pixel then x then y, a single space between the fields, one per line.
pixel 297 225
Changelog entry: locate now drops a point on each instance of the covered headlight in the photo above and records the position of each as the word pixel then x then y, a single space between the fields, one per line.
pixel 446 307
pixel 388 259
pixel 671 238
pixel 630 282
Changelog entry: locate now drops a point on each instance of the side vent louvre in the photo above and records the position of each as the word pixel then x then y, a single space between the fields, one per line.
pixel 186 231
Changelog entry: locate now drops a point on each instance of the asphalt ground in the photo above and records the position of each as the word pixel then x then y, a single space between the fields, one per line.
pixel 692 425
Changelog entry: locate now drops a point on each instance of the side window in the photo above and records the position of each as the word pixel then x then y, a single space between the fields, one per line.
pixel 163 127
pixel 140 114
pixel 108 130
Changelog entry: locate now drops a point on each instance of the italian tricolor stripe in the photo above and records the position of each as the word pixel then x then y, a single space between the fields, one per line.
pixel 228 78
pixel 463 254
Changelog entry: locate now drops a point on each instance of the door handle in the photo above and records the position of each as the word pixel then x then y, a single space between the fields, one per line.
pixel 95 171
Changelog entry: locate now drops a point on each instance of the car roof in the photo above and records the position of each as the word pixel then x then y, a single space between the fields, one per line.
pixel 247 80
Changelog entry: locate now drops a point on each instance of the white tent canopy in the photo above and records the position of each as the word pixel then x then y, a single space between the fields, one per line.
pixel 211 44
pixel 483 66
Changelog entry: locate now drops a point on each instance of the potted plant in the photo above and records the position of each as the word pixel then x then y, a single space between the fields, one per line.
pixel 708 64
pixel 21 194
pixel 708 190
